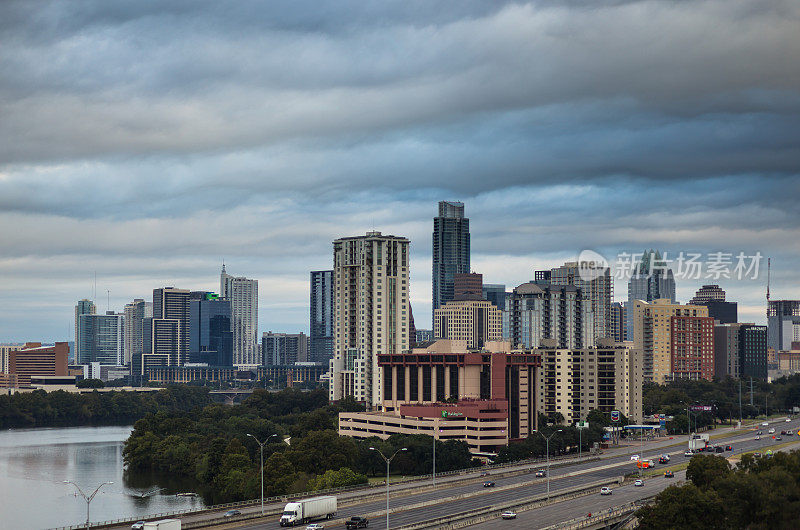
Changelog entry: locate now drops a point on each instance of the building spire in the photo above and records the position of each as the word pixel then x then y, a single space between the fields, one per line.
pixel 223 266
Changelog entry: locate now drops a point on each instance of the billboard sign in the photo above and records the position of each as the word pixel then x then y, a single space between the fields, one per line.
pixel 701 408
pixel 615 416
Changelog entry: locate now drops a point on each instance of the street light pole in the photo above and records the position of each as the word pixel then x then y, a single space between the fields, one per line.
pixel 547 455
pixel 261 447
pixel 88 498
pixel 434 461
pixel 388 462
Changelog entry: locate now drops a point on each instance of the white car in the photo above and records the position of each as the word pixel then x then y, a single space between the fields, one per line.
pixel 138 525
pixel 688 454
pixel 315 526
pixel 605 490
pixel 788 420
pixel 508 515
pixel 772 430
pixel 765 424
pixel 758 437
pixel 639 482
pixel 635 458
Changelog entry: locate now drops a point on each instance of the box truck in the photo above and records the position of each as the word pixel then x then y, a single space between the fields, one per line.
pixel 303 511
pixel 164 524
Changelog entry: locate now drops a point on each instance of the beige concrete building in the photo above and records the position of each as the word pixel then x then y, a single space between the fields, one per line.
pixel 652 331
pixel 371 312
pixel 573 382
pixel 473 321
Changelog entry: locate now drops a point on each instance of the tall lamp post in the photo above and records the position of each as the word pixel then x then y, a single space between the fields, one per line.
pixel 547 455
pixel 88 498
pixel 434 462
pixel 388 461
pixel 261 446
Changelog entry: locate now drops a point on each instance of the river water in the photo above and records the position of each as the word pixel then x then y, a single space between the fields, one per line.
pixel 34 463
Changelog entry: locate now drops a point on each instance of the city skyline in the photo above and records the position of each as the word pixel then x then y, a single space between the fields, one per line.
pixel 182 159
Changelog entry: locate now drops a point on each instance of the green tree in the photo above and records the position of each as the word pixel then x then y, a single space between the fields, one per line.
pixel 704 470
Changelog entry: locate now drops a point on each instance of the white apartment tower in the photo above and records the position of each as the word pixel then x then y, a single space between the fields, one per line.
pixel 371 312
pixel 243 295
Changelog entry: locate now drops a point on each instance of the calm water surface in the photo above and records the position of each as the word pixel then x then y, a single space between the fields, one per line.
pixel 34 463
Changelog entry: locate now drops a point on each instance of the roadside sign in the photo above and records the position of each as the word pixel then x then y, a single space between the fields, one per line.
pixel 582 424
pixel 615 415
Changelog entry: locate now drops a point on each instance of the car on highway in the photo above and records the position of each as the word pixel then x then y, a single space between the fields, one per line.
pixel 688 454
pixel 663 459
pixel 605 490
pixel 541 473
pixel 356 522
pixel 757 455
pixel 484 474
pixel 771 430
pixel 488 484
pixel 788 420
pixel 668 474
pixel 639 482
pixel 778 438
pixel 758 437
pixel 760 432
pixel 635 458
pixel 232 513
pixel 508 515
pixel 315 526
pixel 729 448
pixel 765 424
pixel 719 449
pixel 138 525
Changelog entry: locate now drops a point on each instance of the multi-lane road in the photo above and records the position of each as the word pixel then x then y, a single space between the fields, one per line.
pixel 463 495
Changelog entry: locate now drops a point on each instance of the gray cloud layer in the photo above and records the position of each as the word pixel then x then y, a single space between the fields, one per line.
pixel 148 140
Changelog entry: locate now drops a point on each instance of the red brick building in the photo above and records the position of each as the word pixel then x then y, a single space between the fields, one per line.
pixel 692 347
pixel 33 359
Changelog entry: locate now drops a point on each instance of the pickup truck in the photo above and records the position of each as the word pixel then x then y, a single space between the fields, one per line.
pixel 356 522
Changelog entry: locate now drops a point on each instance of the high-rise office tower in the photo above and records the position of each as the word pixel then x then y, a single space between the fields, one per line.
pixel 243 294
pixel 210 335
pixel 101 339
pixel 496 294
pixel 321 320
pixel 474 321
pixel 651 280
pixel 713 297
pixel 83 307
pixel 783 322
pixel 544 311
pixel 619 329
pixel 135 313
pixel 468 286
pixel 371 310
pixel 450 250
pixel 166 334
pixel 597 287
pixel 284 348
pixel 677 341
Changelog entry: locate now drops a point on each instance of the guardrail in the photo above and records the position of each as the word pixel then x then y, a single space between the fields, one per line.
pixel 346 489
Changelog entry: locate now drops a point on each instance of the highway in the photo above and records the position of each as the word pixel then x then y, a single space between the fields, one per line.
pixel 615 463
pixel 564 477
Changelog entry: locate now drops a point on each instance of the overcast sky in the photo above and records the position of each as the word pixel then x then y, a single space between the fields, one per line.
pixel 146 141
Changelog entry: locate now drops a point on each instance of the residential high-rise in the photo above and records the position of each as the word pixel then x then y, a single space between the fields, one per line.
pixel 543 311
pixel 651 280
pixel 726 349
pixel 83 307
pixel 321 321
pixel 596 285
pixel 281 349
pixel 619 328
pixel 371 309
pixel 101 339
pixel 135 313
pixel 451 250
pixel 243 294
pixel 783 322
pixel 473 321
pixel 496 294
pixel 713 297
pixel 210 335
pixel 677 341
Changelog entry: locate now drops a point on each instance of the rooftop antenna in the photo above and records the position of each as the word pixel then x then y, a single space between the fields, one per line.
pixel 769 266
pixel 108 300
pixel 94 290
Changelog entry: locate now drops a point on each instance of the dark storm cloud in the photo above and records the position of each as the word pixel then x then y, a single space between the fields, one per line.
pixel 149 140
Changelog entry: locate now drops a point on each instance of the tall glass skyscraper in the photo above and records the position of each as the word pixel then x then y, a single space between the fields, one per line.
pixel 101 339
pixel 321 317
pixel 243 295
pixel 83 307
pixel 450 250
pixel 651 280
